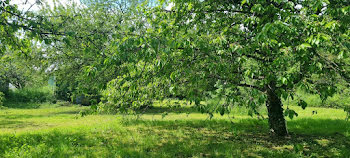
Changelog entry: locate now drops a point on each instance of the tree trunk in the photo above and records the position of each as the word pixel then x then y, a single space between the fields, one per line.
pixel 277 122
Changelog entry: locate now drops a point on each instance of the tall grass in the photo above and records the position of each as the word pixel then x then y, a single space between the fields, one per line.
pixel 32 95
pixel 338 100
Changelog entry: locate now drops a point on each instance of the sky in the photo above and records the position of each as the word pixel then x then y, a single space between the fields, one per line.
pixel 32 5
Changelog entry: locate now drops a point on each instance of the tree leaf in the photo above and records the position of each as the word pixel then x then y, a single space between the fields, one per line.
pixel 302 103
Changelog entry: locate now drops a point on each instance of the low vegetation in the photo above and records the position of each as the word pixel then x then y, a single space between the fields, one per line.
pixel 2 98
pixel 31 95
pixel 59 130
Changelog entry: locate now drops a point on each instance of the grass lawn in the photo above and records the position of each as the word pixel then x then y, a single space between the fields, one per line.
pixel 59 131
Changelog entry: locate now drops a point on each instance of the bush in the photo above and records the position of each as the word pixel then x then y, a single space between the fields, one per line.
pixel 125 95
pixel 34 95
pixel 85 99
pixel 2 98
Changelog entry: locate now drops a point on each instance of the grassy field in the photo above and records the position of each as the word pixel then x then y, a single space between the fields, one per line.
pixel 60 131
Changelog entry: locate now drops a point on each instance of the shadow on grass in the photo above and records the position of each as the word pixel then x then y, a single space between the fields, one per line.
pixel 20 116
pixel 34 105
pixel 168 109
pixel 192 138
pixel 15 121
pixel 70 112
pixel 11 124
pixel 14 116
pixel 319 126
pixel 22 105
pixel 309 137
pixel 5 123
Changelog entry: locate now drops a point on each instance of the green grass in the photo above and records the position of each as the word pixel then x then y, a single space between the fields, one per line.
pixel 338 100
pixel 59 131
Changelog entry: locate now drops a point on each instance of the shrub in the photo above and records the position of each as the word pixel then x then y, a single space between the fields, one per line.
pixel 120 96
pixel 34 95
pixel 85 99
pixel 2 98
pixel 125 95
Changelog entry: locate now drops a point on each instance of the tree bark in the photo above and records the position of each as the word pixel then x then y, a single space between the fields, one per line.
pixel 277 123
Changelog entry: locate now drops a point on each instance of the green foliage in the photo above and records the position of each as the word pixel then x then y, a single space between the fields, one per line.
pixel 125 94
pixel 93 51
pixel 32 95
pixel 19 70
pixel 17 29
pixel 206 59
pixel 290 113
pixel 250 52
pixel 2 99
pixel 347 110
pixel 302 103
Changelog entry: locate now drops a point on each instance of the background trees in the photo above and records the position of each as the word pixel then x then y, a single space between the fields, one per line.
pixel 84 58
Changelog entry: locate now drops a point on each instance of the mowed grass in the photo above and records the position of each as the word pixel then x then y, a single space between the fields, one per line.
pixel 60 131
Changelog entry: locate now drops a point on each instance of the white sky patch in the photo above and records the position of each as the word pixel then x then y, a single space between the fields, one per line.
pixel 171 5
pixel 35 5
pixel 298 6
pixel 242 27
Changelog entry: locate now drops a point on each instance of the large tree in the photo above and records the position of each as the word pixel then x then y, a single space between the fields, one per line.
pixel 269 47
pixel 249 52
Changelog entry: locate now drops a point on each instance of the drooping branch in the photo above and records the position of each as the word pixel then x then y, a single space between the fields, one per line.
pixel 255 58
pixel 238 83
pixel 251 86
pixel 335 67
